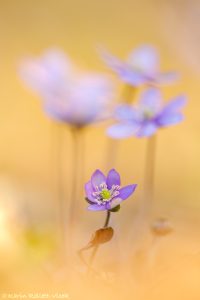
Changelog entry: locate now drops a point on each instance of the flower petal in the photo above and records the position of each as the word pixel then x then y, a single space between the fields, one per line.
pixel 113 178
pixel 175 104
pixel 126 191
pixel 97 178
pixel 171 113
pixel 111 61
pixel 122 130
pixel 124 70
pixel 151 100
pixel 96 207
pixel 43 73
pixel 167 77
pixel 170 119
pixel 147 130
pixel 89 190
pixel 145 59
pixel 129 76
pixel 125 113
pixel 114 202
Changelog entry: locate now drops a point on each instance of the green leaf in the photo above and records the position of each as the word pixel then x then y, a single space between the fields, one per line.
pixel 115 209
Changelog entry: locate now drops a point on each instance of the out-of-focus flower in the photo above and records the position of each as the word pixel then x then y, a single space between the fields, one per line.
pixel 141 67
pixel 106 193
pixel 148 116
pixel 67 95
pixel 161 227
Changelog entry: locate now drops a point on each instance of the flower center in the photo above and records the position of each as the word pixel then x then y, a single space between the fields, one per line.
pixel 148 114
pixel 105 194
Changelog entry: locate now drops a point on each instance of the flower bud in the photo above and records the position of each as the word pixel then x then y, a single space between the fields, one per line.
pixel 161 227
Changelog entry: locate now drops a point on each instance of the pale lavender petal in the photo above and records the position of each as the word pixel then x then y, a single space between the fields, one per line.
pixel 122 130
pixel 111 61
pixel 98 178
pixel 126 113
pixel 89 190
pixel 167 77
pixel 123 69
pixel 171 113
pixel 129 76
pixel 96 207
pixel 55 108
pixel 151 100
pixel 113 178
pixel 34 75
pixel 57 63
pixel 175 104
pixel 145 59
pixel 170 119
pixel 114 203
pixel 147 130
pixel 126 191
pixel 44 73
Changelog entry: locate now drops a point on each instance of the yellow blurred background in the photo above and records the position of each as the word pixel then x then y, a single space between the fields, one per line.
pixel 28 179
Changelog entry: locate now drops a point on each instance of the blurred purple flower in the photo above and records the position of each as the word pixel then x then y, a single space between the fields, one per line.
pixel 141 67
pixel 67 95
pixel 105 193
pixel 150 114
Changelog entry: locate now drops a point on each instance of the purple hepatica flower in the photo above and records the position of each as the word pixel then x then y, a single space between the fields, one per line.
pixel 146 118
pixel 68 95
pixel 106 193
pixel 141 67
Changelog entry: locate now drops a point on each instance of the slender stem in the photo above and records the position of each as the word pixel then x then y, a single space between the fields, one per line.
pixel 128 93
pixel 149 175
pixel 74 183
pixel 107 219
pixel 95 249
pixel 81 162
pixel 77 174
pixel 141 223
pixel 57 145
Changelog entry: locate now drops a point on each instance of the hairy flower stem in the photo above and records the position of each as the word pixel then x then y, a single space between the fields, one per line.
pixel 57 147
pixel 149 177
pixel 95 249
pixel 142 221
pixel 74 184
pixel 81 160
pixel 107 219
pixel 128 94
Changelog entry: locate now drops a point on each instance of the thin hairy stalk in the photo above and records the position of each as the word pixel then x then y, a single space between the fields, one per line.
pixel 57 146
pixel 128 94
pixel 74 184
pixel 95 249
pixel 149 176
pixel 81 161
pixel 142 221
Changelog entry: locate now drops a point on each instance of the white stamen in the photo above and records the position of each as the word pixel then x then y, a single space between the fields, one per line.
pixel 114 192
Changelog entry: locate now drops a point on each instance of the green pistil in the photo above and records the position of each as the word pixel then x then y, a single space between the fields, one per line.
pixel 106 195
